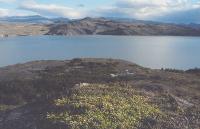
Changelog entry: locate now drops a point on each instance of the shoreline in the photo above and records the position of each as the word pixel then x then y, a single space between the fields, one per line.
pixel 161 69
pixel 190 70
pixel 32 35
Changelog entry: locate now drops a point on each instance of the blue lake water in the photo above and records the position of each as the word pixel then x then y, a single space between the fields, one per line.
pixel 148 51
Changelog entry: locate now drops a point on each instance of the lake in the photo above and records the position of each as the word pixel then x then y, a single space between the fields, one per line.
pixel 149 51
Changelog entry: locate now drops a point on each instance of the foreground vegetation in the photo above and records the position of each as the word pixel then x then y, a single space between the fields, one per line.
pixel 97 93
pixel 102 107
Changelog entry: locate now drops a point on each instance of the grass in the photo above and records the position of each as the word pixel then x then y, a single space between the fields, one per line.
pixel 100 107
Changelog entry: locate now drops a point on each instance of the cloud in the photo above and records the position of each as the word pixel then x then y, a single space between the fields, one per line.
pixel 4 12
pixel 81 5
pixel 51 10
pixel 183 16
pixel 143 9
pixel 156 10
pixel 151 3
pixel 162 10
pixel 11 12
pixel 7 1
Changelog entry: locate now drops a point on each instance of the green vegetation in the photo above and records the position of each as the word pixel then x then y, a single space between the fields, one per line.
pixel 44 94
pixel 4 107
pixel 98 106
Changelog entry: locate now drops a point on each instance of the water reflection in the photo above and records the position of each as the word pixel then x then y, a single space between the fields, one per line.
pixel 148 51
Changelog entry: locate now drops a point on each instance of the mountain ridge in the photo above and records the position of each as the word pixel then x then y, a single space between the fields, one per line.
pixel 104 26
pixel 56 19
pixel 93 26
pixel 33 19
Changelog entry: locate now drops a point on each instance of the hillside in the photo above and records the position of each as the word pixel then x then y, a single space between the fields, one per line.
pixel 103 26
pixel 36 25
pixel 22 29
pixel 97 93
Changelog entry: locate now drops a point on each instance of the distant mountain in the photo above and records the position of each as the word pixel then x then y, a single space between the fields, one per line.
pixel 108 26
pixel 103 26
pixel 194 25
pixel 60 20
pixel 130 20
pixel 33 19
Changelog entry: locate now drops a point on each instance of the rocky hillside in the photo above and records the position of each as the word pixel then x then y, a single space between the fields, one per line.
pixel 97 93
pixel 103 26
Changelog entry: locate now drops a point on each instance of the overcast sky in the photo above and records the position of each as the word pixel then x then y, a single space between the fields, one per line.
pixel 156 10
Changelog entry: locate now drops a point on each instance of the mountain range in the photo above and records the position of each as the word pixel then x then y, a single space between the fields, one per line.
pixel 103 26
pixel 32 19
pixel 106 26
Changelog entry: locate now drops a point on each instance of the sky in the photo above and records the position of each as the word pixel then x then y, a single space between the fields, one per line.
pixel 180 11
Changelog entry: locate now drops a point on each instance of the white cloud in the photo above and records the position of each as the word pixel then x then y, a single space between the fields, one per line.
pixel 11 12
pixel 143 9
pixel 7 1
pixel 4 12
pixel 161 10
pixel 151 9
pixel 51 10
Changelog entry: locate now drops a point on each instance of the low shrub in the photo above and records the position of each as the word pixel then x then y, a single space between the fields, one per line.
pixel 102 107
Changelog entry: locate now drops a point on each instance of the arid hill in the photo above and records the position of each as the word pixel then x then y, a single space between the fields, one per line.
pixel 22 29
pixel 103 26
